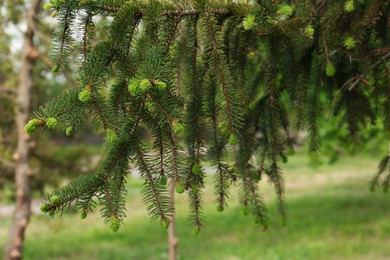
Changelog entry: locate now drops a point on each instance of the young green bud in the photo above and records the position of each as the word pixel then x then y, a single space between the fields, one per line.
pixel 177 128
pixel 31 126
pixel 69 131
pixel 249 22
pixel 36 122
pixel 51 123
pixel 44 208
pixel 83 215
pixel 196 230
pixel 111 136
pixel 220 208
pixel 114 224
pixel 330 69
pixel 232 139
pixel 47 6
pixel 179 188
pixel 145 85
pixel 251 55
pixel 309 31
pixel 285 11
pixel 349 43
pixel 196 169
pixel 55 69
pixel 160 85
pixel 163 180
pixel 164 223
pixel 85 95
pixel 349 6
pixel 55 200
pixel 134 86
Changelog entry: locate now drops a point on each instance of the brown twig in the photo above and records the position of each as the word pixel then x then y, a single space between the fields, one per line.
pixel 356 80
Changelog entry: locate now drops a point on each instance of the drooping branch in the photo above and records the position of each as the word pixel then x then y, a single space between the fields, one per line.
pixel 190 12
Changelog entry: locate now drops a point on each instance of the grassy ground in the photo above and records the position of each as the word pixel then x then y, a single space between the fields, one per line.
pixel 332 215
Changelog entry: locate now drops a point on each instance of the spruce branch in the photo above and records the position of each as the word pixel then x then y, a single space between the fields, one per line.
pixel 87 24
pixel 154 195
pixel 84 186
pixel 180 13
pixel 277 179
pixel 63 35
pixel 222 72
pixel 258 208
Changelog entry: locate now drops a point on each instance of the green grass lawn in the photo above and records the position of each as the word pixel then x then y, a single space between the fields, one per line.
pixel 332 215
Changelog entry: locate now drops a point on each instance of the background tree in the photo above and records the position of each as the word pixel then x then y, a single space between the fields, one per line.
pixel 22 169
pixel 19 72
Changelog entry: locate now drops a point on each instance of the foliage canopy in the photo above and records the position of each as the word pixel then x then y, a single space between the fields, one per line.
pixel 217 73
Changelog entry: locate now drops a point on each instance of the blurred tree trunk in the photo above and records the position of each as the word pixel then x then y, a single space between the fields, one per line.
pixel 173 241
pixel 22 213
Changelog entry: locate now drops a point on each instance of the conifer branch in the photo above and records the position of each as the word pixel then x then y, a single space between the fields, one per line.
pixel 162 110
pixel 190 12
pixel 175 158
pixel 215 53
pixel 216 152
pixel 278 182
pixel 357 79
pixel 64 33
pixel 259 209
pixel 196 88
pixel 171 137
pixel 117 104
pixel 87 22
pixel 161 152
pixel 86 184
pixel 196 216
pixel 152 186
pixel 221 180
pixel 239 71
pixel 112 211
pixel 98 110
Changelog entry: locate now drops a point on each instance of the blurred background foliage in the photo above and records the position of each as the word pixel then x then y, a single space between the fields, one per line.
pixel 55 157
pixel 331 215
